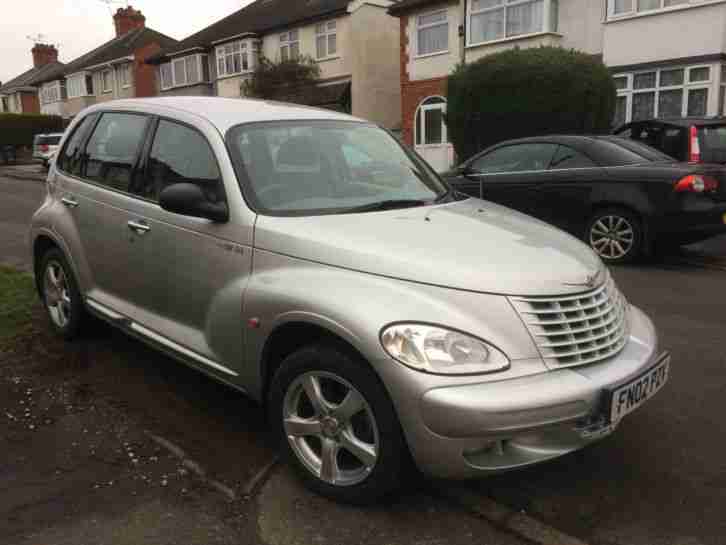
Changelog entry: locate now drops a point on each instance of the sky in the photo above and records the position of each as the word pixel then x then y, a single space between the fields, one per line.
pixel 77 26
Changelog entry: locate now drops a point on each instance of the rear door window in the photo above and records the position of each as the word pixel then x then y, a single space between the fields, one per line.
pixel 113 148
pixel 181 154
pixel 70 158
pixel 566 157
pixel 712 140
pixel 517 158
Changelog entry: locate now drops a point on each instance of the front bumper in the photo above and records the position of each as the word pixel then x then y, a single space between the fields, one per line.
pixel 474 429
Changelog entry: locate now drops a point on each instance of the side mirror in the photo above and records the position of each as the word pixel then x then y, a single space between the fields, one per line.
pixel 189 200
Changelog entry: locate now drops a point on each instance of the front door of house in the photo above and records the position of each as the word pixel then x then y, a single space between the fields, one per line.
pixel 432 141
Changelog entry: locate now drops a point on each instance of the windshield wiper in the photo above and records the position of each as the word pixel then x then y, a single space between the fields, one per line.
pixel 390 204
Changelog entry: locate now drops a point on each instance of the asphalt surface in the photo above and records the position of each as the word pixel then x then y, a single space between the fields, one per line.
pixel 658 480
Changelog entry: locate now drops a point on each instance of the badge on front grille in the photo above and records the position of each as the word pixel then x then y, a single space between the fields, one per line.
pixel 590 281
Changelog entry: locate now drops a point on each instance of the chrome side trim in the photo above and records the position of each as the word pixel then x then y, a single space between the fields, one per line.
pixel 107 312
pixel 179 348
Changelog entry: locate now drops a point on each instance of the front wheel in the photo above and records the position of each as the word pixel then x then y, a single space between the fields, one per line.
pixel 60 294
pixel 616 235
pixel 336 425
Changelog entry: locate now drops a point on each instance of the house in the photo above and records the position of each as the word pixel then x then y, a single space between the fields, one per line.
pixel 20 94
pixel 665 55
pixel 354 42
pixel 115 69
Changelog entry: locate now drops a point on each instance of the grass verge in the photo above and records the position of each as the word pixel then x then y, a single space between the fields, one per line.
pixel 17 298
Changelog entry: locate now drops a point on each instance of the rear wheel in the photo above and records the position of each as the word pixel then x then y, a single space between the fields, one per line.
pixel 616 235
pixel 336 425
pixel 60 294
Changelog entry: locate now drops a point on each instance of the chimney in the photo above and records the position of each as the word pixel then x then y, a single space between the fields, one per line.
pixel 44 54
pixel 128 19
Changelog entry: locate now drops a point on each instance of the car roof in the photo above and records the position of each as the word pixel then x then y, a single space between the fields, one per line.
pixel 225 113
pixel 678 122
pixel 564 139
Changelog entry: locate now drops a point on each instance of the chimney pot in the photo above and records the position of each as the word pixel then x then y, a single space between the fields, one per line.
pixel 44 54
pixel 128 19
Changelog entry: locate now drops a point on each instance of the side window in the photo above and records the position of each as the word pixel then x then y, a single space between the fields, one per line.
pixel 517 158
pixel 566 157
pixel 112 149
pixel 69 160
pixel 182 155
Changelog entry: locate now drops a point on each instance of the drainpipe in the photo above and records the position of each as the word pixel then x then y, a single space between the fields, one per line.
pixel 462 33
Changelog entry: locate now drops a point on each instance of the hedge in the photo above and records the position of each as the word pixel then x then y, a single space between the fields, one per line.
pixel 527 92
pixel 19 129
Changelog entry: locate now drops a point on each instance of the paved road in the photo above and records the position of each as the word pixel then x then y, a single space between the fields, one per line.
pixel 659 480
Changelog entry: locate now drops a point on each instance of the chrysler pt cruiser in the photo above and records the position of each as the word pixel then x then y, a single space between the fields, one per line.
pixel 309 260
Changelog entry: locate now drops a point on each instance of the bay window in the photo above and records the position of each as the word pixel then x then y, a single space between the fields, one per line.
pixel 498 19
pixel 52 92
pixel 79 85
pixel 189 70
pixel 289 45
pixel 662 93
pixel 432 33
pixel 236 58
pixel 326 40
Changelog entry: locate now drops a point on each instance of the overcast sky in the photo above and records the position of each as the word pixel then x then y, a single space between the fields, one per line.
pixel 77 26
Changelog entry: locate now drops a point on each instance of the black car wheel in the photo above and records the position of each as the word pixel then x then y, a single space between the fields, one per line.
pixel 615 234
pixel 336 424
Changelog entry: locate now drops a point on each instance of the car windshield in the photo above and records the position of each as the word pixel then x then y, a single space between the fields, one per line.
pixel 324 167
pixel 624 151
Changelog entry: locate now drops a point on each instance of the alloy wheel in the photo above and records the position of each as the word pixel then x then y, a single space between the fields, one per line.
pixel 57 294
pixel 331 428
pixel 612 237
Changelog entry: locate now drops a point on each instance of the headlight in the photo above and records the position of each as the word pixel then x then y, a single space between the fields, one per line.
pixel 442 351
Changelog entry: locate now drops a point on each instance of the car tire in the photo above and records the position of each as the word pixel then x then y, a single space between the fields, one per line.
pixel 616 235
pixel 60 294
pixel 315 441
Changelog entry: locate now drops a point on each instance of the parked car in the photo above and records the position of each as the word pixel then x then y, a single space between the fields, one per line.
pixel 45 145
pixel 375 313
pixel 618 195
pixel 690 139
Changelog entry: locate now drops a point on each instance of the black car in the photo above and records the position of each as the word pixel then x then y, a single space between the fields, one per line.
pixel 691 139
pixel 618 195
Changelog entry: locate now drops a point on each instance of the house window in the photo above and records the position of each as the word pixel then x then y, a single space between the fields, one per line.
pixel 618 8
pixel 432 33
pixel 289 45
pixel 124 73
pixel 497 19
pixel 106 81
pixel 234 58
pixel 183 71
pixel 80 85
pixel 50 93
pixel 430 128
pixel 664 93
pixel 326 40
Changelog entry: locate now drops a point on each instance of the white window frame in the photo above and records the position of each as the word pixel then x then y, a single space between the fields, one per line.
pixel 548 26
pixel 51 93
pixel 422 109
pixel 105 89
pixel 247 51
pixel 198 58
pixel 634 11
pixel 419 27
pixel 82 88
pixel 326 33
pixel 125 75
pixel 286 43
pixel 629 91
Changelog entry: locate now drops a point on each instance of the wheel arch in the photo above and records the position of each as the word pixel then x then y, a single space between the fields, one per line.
pixel 41 245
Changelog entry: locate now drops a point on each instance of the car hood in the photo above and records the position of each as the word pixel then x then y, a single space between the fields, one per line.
pixel 471 245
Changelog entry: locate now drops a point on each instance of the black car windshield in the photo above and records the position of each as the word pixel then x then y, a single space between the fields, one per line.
pixel 324 167
pixel 617 151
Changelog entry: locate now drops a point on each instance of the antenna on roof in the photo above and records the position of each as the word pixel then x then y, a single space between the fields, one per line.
pixel 110 4
pixel 38 38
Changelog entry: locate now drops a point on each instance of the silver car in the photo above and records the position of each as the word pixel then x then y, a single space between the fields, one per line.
pixel 307 259
pixel 45 147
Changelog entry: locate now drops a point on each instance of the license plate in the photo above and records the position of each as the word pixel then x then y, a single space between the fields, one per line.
pixel 630 396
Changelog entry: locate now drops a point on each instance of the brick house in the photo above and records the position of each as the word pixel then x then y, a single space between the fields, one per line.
pixel 661 76
pixel 20 94
pixel 354 42
pixel 115 69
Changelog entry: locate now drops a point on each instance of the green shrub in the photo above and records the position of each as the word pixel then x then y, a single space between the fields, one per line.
pixel 527 92
pixel 272 80
pixel 19 129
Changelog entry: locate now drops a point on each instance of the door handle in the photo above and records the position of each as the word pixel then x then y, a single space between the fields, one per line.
pixel 139 227
pixel 70 202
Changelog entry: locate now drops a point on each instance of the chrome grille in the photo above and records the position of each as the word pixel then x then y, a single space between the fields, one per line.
pixel 577 329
